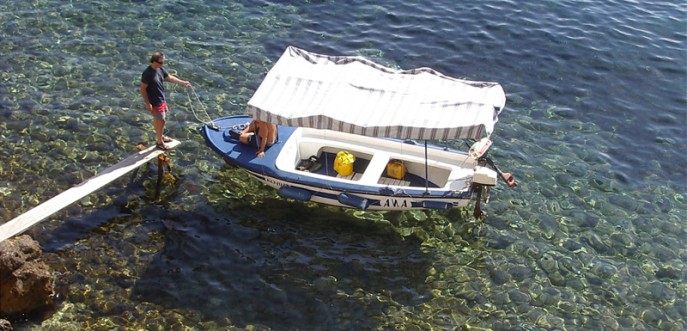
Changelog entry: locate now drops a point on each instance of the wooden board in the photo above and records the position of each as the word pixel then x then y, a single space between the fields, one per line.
pixel 24 221
pixel 393 181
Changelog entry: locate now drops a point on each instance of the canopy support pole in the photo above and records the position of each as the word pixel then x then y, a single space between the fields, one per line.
pixel 426 171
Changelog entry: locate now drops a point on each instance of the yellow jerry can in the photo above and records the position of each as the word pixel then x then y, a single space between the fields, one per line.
pixel 396 169
pixel 343 164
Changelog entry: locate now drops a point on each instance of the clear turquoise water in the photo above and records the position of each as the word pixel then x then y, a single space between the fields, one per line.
pixel 595 130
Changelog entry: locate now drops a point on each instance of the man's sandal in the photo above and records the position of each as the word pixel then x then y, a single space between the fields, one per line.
pixel 162 146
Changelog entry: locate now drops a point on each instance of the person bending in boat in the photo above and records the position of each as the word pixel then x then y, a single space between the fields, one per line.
pixel 259 134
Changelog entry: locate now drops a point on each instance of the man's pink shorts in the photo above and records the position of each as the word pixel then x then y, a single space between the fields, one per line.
pixel 160 111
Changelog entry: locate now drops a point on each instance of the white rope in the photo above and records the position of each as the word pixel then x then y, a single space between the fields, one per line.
pixel 209 121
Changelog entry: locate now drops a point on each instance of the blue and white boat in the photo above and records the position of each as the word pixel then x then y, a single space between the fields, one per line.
pixel 373 122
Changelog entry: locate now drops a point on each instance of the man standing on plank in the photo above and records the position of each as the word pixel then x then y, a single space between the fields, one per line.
pixel 153 93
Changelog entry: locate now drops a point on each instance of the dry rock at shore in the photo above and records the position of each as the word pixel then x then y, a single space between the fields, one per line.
pixel 5 325
pixel 26 282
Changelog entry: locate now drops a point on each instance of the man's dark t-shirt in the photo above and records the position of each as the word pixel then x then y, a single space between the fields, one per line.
pixel 155 89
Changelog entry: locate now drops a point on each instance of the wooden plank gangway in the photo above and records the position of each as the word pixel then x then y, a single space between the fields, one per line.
pixel 39 213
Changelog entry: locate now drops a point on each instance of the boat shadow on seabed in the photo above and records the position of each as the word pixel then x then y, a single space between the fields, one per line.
pixel 284 265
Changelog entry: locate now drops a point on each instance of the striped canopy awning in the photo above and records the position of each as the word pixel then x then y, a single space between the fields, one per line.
pixel 355 95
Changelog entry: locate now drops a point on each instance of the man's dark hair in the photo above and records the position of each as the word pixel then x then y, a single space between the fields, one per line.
pixel 157 57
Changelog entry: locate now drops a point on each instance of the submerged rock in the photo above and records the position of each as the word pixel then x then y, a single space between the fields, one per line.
pixel 668 271
pixel 27 282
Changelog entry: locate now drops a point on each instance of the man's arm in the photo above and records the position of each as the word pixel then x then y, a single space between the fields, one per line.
pixel 144 94
pixel 173 79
